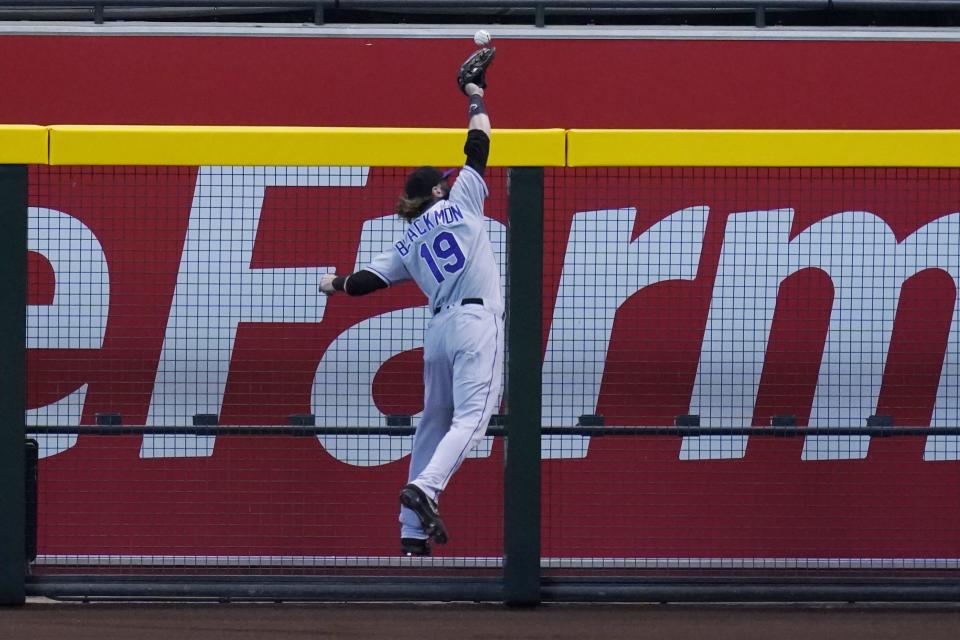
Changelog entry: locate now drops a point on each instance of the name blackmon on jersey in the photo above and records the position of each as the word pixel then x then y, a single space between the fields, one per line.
pixel 425 223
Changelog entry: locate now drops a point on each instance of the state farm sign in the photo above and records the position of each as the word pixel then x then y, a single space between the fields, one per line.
pixel 234 291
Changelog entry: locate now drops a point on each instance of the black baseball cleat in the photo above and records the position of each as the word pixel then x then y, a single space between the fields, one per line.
pixel 413 498
pixel 415 546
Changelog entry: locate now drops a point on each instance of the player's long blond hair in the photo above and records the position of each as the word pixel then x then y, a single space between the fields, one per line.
pixel 410 208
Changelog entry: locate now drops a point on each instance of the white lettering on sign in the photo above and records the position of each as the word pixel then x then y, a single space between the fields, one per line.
pixel 937 246
pixel 217 290
pixel 77 316
pixel 868 268
pixel 601 269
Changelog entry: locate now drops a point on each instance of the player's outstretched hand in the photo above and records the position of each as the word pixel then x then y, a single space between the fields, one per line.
pixel 472 90
pixel 326 283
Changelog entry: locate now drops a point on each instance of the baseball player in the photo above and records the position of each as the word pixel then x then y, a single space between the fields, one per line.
pixel 446 251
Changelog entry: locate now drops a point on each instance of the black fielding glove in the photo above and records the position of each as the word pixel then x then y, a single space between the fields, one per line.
pixel 474 68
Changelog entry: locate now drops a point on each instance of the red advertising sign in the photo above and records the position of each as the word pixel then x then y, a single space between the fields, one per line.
pixel 737 295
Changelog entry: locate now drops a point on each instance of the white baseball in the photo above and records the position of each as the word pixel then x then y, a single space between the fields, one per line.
pixel 482 37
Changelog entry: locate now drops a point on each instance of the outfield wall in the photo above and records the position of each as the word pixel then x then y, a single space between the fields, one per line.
pixel 735 293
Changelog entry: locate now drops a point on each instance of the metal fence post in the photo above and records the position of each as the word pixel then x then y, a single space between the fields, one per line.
pixel 13 320
pixel 521 554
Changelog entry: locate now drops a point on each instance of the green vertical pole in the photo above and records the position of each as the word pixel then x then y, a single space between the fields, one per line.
pixel 13 321
pixel 521 537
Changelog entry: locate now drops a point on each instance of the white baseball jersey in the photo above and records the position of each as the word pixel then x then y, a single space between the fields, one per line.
pixel 446 249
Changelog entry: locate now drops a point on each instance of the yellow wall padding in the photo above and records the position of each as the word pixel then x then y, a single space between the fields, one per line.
pixel 23 144
pixel 304 146
pixel 760 148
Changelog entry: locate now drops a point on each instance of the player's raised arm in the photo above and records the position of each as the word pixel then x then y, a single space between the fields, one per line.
pixel 477 111
pixel 472 81
pixel 477 146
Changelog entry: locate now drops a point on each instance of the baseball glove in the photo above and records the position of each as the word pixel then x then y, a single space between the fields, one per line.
pixel 474 68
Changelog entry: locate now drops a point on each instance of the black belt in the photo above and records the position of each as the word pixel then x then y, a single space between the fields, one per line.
pixel 478 301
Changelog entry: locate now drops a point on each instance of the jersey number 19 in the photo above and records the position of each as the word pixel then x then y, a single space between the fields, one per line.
pixel 446 255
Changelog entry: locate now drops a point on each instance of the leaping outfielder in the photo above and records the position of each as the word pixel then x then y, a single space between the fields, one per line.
pixel 446 251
